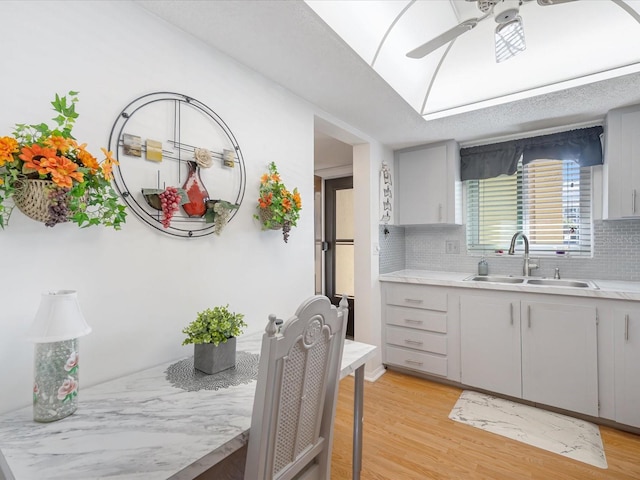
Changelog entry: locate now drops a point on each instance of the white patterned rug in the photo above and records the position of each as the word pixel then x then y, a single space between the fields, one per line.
pixel 550 431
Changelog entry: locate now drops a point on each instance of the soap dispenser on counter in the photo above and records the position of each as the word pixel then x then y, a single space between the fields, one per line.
pixel 483 267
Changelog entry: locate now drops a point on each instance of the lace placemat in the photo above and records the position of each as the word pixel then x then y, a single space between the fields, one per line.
pixel 185 376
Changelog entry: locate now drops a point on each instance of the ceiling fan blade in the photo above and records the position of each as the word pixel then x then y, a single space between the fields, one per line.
pixel 443 38
pixel 546 3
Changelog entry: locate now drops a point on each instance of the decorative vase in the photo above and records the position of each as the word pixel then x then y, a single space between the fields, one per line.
pixel 210 358
pixel 196 192
pixel 32 198
pixel 55 387
pixel 55 330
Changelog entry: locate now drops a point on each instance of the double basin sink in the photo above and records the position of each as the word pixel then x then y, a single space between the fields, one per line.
pixel 547 282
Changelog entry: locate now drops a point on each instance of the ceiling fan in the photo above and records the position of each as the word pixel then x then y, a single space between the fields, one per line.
pixel 509 34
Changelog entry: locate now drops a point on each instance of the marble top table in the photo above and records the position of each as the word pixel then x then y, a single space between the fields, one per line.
pixel 141 427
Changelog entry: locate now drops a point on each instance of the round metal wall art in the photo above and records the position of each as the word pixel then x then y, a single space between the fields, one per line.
pixel 167 139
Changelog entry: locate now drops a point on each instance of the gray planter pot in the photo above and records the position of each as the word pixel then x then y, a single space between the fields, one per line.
pixel 209 358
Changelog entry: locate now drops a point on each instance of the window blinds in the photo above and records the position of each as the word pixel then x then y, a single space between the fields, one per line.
pixel 548 200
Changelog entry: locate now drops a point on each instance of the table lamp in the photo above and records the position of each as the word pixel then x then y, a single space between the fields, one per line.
pixel 55 331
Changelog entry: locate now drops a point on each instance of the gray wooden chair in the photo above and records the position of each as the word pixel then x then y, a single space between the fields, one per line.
pixel 292 422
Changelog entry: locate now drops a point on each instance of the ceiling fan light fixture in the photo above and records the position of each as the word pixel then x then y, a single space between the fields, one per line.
pixel 509 38
pixel 506 16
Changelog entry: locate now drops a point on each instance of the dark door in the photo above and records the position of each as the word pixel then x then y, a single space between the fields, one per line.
pixel 339 256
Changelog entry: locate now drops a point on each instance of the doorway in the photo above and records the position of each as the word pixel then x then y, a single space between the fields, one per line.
pixel 339 245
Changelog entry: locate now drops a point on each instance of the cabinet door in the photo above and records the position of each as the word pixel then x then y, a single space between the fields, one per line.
pixel 560 356
pixel 428 188
pixel 621 161
pixel 627 365
pixel 422 187
pixel 490 344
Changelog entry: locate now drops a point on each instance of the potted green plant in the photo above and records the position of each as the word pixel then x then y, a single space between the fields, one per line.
pixel 213 334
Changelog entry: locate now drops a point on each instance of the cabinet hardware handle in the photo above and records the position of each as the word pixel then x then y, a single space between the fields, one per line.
pixel 413 342
pixel 440 212
pixel 411 320
pixel 413 300
pixel 626 327
pixel 511 309
pixel 633 201
pixel 413 362
pixel 529 315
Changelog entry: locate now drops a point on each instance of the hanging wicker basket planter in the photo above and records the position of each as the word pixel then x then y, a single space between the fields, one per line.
pixel 32 198
pixel 276 202
pixel 266 217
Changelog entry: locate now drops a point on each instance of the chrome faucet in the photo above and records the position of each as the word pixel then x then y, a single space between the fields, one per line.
pixel 528 266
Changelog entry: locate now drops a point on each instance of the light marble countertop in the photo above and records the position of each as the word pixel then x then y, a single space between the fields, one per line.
pixel 611 289
pixel 140 427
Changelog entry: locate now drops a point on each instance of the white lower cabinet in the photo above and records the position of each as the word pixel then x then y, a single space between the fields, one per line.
pixel 415 328
pixel 490 343
pixel 579 354
pixel 560 356
pixel 542 352
pixel 627 365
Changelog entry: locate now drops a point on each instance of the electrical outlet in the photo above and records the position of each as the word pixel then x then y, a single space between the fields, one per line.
pixel 452 246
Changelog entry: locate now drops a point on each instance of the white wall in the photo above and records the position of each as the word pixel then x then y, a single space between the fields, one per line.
pixel 367 161
pixel 138 287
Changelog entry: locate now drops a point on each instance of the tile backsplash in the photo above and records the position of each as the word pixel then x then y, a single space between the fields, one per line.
pixel 392 248
pixel 616 254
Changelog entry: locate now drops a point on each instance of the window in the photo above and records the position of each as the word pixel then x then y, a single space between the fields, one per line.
pixel 548 200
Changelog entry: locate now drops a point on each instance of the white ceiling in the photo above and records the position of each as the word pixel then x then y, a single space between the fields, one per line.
pixel 569 43
pixel 286 41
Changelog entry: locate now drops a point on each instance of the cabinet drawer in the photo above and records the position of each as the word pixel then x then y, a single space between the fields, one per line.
pixel 428 342
pixel 423 362
pixel 416 318
pixel 417 296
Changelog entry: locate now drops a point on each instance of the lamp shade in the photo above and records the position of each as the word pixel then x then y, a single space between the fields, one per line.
pixel 58 318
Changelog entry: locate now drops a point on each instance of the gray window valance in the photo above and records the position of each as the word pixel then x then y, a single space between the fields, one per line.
pixel 487 161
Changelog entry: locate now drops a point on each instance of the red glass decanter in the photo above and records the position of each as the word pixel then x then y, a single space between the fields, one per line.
pixel 196 192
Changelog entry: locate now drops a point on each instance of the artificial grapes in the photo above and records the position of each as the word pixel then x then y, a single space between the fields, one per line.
pixel 170 202
pixel 221 218
pixel 58 207
pixel 286 228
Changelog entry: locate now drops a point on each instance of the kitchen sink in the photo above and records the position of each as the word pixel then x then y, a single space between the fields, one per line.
pixel 546 282
pixel 495 279
pixel 552 282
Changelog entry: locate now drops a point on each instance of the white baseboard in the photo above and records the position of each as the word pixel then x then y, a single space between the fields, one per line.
pixel 375 375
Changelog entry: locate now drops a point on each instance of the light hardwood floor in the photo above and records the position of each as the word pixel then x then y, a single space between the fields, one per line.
pixel 408 436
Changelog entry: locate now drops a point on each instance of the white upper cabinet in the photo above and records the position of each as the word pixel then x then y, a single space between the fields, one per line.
pixel 622 164
pixel 428 188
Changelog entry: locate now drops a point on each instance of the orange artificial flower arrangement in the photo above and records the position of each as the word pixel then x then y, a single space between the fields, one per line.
pixel 76 187
pixel 277 206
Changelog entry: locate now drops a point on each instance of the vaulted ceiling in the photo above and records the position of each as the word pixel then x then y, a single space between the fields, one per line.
pixel 348 58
